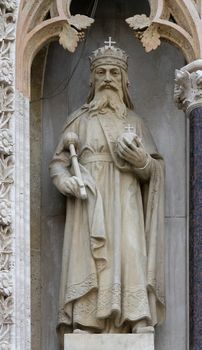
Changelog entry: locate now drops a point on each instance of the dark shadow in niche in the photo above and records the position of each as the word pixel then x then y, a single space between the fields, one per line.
pixel 115 9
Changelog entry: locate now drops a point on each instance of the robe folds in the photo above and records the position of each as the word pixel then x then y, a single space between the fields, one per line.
pixel 113 250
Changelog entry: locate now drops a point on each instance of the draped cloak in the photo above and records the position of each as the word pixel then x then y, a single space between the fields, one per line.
pixel 113 250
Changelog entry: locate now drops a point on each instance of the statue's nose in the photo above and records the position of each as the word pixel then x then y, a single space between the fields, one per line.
pixel 108 78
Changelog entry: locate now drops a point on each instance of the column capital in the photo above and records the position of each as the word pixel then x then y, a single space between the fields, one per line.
pixel 188 86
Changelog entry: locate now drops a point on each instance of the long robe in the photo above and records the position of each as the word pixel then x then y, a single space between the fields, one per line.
pixel 113 250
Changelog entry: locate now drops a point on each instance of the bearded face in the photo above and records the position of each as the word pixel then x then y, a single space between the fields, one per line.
pixel 108 77
pixel 108 95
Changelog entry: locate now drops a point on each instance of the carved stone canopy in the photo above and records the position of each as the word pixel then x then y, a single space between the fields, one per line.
pixel 176 21
pixel 39 22
pixel 180 23
pixel 188 86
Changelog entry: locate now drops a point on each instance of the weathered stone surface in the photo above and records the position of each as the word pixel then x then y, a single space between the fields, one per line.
pixel 21 196
pixel 187 17
pixel 152 80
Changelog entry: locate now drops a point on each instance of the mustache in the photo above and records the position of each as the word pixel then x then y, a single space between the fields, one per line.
pixel 109 84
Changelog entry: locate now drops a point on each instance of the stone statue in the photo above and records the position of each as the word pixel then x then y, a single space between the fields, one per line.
pixel 113 253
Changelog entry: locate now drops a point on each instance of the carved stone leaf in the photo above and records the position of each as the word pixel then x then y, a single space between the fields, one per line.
pixel 182 87
pixel 5 345
pixel 9 4
pixel 6 142
pixel 151 38
pixel 7 36
pixel 138 22
pixel 5 283
pixel 9 33
pixel 188 88
pixel 4 337
pixel 5 239
pixel 80 21
pixel 6 71
pixel 5 260
pixel 6 310
pixel 5 212
pixel 5 248
pixel 69 38
pixel 6 172
pixel 7 28
pixel 2 25
pixel 199 79
pixel 6 99
pixel 6 168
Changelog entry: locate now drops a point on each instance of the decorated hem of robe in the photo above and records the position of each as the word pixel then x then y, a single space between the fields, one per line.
pixel 80 289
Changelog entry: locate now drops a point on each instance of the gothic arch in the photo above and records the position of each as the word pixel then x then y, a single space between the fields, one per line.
pixel 39 22
pixel 178 22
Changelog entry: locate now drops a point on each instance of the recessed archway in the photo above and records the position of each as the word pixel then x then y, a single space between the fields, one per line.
pixel 30 39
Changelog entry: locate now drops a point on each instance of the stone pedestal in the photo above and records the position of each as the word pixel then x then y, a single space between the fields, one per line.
pixel 109 342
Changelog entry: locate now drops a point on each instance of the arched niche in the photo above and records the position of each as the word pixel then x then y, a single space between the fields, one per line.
pixel 55 93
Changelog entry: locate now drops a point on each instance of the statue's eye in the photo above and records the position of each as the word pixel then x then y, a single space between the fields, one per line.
pixel 100 72
pixel 115 72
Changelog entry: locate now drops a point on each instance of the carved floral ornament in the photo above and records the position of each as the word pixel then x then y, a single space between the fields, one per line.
pixel 180 23
pixel 7 37
pixel 41 22
pixel 188 86
pixel 177 21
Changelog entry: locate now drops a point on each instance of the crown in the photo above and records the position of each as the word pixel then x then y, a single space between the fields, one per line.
pixel 109 54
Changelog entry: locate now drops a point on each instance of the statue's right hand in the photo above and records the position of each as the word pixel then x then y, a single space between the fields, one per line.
pixel 71 186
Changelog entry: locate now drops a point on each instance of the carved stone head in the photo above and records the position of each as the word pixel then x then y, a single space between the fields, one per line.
pixel 109 56
pixel 109 71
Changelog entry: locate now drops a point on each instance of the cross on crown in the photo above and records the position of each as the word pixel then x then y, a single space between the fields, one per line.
pixel 109 43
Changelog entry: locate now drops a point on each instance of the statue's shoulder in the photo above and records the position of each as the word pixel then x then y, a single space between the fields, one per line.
pixel 76 115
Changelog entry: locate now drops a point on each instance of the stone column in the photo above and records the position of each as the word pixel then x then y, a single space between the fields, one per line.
pixel 188 96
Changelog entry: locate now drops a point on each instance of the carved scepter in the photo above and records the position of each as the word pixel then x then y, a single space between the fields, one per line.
pixel 71 141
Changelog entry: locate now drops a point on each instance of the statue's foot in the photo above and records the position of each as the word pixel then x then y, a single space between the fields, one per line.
pixel 80 331
pixel 142 327
pixel 144 330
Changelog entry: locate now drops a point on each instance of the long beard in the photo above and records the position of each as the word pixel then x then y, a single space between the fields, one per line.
pixel 107 101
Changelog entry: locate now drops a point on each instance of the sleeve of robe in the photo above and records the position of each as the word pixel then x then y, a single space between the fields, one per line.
pixel 60 169
pixel 60 166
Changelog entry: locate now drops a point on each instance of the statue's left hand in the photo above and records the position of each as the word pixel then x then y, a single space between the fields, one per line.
pixel 133 152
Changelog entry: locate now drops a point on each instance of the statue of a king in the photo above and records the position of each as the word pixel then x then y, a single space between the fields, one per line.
pixel 112 278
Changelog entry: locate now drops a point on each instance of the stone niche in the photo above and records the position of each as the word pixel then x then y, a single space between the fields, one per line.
pixel 62 79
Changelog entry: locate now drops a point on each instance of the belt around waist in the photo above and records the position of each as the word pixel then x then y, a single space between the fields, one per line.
pixel 96 157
